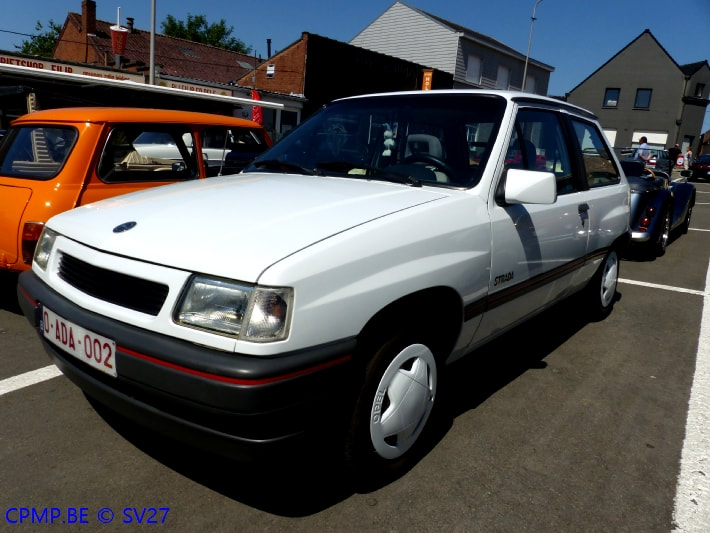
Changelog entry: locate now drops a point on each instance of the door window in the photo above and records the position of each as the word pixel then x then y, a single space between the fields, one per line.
pixel 147 153
pixel 538 143
pixel 598 165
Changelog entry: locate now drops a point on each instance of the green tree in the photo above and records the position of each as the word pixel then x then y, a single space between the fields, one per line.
pixel 198 30
pixel 42 44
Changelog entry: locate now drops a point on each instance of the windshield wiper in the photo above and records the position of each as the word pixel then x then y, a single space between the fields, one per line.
pixel 286 166
pixel 369 172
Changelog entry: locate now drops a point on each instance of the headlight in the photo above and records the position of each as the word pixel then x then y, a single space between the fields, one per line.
pixel 257 314
pixel 44 248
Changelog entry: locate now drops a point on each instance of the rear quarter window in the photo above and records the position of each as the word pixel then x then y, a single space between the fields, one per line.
pixel 36 152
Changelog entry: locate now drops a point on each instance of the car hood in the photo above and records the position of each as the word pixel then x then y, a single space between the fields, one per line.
pixel 235 226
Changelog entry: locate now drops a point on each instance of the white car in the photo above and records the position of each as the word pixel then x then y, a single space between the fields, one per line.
pixel 326 289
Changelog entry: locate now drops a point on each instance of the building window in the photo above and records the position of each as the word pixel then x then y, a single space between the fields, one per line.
pixel 643 99
pixel 611 97
pixel 699 90
pixel 270 71
pixel 503 80
pixel 473 69
pixel 529 84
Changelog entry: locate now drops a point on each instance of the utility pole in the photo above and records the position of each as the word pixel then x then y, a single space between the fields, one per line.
pixel 527 56
pixel 151 78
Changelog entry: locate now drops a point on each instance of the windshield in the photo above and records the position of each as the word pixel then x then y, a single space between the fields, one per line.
pixel 427 138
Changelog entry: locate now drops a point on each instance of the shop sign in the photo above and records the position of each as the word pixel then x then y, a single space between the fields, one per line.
pixel 50 66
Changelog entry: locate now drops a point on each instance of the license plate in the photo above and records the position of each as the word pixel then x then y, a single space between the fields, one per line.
pixel 95 350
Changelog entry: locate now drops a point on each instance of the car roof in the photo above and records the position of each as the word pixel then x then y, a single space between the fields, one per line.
pixel 130 114
pixel 515 96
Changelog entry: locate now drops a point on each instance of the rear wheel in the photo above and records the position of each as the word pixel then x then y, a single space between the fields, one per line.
pixel 393 407
pixel 660 242
pixel 600 294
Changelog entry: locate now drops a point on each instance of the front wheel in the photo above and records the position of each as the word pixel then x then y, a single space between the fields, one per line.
pixel 688 215
pixel 393 406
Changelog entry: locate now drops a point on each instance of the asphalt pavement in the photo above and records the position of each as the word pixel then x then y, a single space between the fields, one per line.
pixel 563 425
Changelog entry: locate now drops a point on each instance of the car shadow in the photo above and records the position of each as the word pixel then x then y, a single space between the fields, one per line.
pixel 280 487
pixel 478 376
pixel 295 483
pixel 641 254
pixel 8 292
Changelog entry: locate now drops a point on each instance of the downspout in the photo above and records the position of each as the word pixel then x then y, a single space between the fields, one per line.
pixel 679 120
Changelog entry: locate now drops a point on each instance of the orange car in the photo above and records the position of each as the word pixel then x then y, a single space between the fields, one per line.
pixel 58 159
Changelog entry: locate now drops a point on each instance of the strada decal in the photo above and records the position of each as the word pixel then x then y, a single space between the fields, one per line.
pixel 499 280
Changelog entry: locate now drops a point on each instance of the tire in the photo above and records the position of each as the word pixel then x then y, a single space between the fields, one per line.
pixel 600 294
pixel 688 214
pixel 660 241
pixel 393 407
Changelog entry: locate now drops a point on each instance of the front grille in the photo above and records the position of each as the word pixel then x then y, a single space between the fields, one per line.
pixel 113 287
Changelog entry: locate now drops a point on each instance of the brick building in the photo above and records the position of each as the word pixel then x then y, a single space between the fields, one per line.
pixel 88 40
pixel 322 69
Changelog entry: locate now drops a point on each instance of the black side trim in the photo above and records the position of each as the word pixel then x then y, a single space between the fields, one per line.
pixel 479 307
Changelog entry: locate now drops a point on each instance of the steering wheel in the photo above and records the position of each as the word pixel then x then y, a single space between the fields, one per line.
pixel 650 173
pixel 434 161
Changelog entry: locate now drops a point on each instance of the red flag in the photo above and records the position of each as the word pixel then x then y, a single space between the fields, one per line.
pixel 256 114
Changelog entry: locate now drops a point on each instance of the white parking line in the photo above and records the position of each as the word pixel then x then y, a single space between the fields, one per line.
pixel 664 287
pixel 28 378
pixel 692 499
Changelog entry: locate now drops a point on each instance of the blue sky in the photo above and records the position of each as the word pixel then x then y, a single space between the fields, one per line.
pixel 574 36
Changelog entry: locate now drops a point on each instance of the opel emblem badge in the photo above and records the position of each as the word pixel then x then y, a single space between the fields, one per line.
pixel 124 227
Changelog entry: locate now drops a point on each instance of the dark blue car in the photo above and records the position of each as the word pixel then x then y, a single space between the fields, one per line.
pixel 659 208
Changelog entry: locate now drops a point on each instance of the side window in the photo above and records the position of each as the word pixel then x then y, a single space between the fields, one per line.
pixel 147 153
pixel 36 152
pixel 598 165
pixel 538 143
pixel 229 150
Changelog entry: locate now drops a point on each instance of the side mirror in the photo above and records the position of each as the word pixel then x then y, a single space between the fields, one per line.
pixel 529 187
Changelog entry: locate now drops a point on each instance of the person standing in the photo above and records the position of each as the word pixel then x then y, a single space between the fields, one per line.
pixel 643 153
pixel 673 154
pixel 688 158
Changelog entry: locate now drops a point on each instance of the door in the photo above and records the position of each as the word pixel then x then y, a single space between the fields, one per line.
pixel 536 249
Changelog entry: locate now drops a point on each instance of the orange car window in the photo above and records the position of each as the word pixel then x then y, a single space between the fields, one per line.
pixel 229 150
pixel 36 152
pixel 144 153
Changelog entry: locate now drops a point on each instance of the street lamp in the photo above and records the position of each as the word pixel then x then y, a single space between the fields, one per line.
pixel 527 56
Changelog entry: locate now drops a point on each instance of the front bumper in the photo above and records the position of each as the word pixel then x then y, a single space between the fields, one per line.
pixel 228 403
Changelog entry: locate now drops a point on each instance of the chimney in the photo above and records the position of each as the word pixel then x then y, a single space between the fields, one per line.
pixel 268 48
pixel 129 23
pixel 88 16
